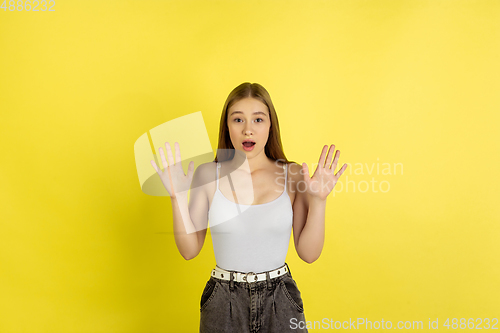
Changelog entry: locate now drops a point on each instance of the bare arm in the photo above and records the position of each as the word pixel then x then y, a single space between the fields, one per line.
pixel 308 221
pixel 191 219
pixel 309 242
pixel 310 204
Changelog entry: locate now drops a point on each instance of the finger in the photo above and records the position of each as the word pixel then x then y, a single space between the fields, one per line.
pixel 329 157
pixel 335 160
pixel 190 169
pixel 162 157
pixel 169 155
pixel 155 166
pixel 322 157
pixel 177 153
pixel 341 171
pixel 305 171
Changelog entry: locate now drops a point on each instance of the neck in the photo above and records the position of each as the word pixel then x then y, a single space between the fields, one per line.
pixel 257 162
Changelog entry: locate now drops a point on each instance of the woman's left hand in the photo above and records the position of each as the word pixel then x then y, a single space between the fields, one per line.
pixel 323 180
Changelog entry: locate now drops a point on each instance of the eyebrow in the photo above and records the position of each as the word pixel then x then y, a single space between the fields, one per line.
pixel 256 112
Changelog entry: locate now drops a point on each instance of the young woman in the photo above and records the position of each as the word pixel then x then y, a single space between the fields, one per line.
pixel 251 289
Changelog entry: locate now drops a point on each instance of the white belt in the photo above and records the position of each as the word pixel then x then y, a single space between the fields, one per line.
pixel 247 277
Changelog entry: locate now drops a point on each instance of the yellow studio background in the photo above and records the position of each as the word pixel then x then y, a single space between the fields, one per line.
pixel 408 91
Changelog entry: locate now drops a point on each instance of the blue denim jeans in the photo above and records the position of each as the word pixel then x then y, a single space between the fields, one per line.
pixel 274 305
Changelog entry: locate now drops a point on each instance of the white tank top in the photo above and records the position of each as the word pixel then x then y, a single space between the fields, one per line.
pixel 250 238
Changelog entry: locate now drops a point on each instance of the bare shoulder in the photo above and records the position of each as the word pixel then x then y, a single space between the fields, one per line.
pixel 295 172
pixel 294 167
pixel 207 167
pixel 204 174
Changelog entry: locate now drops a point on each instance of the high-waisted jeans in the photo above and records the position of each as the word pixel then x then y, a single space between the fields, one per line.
pixel 274 305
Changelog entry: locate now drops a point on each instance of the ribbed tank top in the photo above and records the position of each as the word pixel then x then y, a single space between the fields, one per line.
pixel 250 238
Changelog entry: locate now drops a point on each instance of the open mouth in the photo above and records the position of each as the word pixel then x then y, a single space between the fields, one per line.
pixel 248 145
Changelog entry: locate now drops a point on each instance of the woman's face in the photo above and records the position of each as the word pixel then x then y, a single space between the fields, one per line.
pixel 249 119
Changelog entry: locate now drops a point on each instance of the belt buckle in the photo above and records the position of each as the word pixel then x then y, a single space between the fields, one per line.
pixel 245 277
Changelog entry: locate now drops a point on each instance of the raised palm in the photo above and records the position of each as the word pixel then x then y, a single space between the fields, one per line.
pixel 172 176
pixel 323 180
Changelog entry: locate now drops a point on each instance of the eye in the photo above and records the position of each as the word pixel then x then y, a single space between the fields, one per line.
pixel 235 119
pixel 260 119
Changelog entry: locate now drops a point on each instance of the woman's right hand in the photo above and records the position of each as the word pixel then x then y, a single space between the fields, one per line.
pixel 172 176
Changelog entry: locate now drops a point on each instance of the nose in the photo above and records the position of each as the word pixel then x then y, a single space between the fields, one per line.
pixel 247 130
